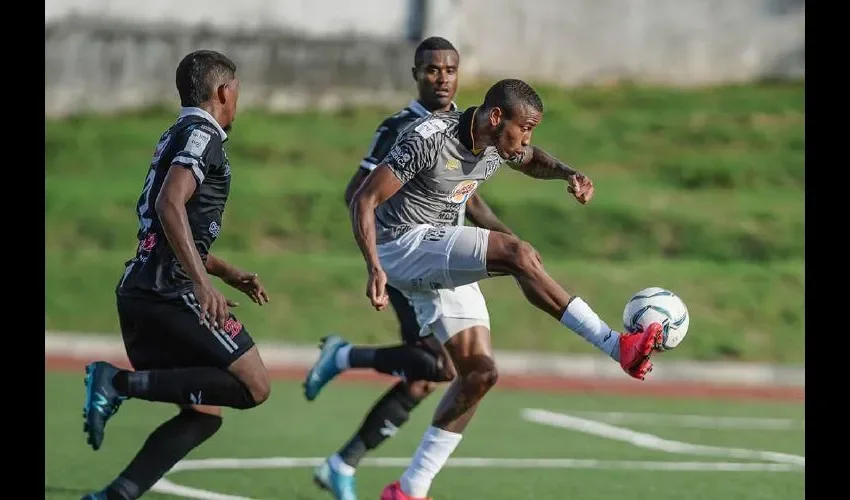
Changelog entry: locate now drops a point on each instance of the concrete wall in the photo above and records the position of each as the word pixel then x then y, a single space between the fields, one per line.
pixel 113 54
pixel 573 42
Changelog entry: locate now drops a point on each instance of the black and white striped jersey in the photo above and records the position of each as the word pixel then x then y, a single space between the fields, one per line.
pixel 196 142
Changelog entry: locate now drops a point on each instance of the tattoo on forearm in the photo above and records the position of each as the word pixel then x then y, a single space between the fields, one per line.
pixel 542 165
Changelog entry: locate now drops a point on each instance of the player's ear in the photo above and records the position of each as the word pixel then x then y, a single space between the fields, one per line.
pixel 495 116
pixel 413 72
pixel 220 93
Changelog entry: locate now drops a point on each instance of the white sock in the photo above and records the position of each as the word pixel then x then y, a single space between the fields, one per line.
pixel 434 450
pixel 341 357
pixel 336 463
pixel 580 318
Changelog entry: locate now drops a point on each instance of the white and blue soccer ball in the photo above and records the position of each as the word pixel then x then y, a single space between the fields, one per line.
pixel 658 305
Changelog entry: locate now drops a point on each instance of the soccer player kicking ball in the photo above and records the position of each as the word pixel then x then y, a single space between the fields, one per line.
pixel 420 361
pixel 397 218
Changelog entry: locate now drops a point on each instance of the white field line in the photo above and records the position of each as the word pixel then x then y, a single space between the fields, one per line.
pixel 168 487
pixel 653 442
pixel 694 421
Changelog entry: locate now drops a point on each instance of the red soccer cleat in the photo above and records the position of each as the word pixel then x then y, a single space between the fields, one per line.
pixel 393 492
pixel 635 349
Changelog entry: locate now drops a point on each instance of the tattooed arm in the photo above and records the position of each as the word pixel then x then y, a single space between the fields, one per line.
pixel 539 164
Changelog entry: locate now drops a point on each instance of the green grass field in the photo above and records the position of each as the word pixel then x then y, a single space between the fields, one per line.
pixel 288 426
pixel 700 191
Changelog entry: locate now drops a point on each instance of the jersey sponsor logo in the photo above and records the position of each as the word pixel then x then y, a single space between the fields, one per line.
pixel 449 214
pixel 215 229
pixel 197 142
pixel 435 234
pixel 462 191
pixel 148 243
pixel 399 156
pixel 452 164
pixel 431 127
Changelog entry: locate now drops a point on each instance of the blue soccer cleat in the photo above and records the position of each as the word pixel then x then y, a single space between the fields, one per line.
pixel 102 401
pixel 340 485
pixel 325 368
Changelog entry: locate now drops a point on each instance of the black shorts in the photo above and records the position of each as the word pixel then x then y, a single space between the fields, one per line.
pixel 160 334
pixel 406 316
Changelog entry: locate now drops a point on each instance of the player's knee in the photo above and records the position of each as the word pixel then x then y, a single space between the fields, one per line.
pixel 521 257
pixel 480 374
pixel 420 389
pixel 261 390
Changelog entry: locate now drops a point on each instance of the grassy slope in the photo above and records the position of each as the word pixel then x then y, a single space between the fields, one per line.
pixel 700 191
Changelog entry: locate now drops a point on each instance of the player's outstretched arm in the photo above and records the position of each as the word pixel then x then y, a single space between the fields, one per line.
pixel 376 189
pixel 480 213
pixel 539 164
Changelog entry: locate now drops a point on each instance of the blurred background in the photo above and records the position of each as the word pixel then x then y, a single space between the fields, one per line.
pixel 687 114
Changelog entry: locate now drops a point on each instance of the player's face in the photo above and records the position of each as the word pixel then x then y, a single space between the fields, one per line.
pixel 229 96
pixel 512 135
pixel 436 78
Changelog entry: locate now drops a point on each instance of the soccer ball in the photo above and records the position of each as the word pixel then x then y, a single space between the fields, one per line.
pixel 658 305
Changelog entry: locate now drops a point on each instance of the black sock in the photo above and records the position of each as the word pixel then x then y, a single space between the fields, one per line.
pixel 201 385
pixel 169 443
pixel 393 408
pixel 409 362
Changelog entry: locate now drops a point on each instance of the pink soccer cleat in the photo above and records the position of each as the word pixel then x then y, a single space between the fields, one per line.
pixel 635 349
pixel 393 492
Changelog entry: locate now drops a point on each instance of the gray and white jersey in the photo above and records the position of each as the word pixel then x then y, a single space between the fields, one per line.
pixel 432 158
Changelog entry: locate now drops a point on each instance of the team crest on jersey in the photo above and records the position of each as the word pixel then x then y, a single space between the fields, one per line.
pixel 430 127
pixel 463 191
pixel 452 164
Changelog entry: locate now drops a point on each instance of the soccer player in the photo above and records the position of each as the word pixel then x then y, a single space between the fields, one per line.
pixel 185 346
pixel 406 243
pixel 421 360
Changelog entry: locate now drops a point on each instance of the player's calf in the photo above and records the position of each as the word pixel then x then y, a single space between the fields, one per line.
pixel 409 362
pixel 508 254
pixel 165 446
pixel 471 353
pixel 245 384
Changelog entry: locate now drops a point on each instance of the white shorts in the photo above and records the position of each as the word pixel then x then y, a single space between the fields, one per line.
pixel 438 269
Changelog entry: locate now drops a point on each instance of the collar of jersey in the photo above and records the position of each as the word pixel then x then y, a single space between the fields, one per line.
pixel 192 111
pixel 420 110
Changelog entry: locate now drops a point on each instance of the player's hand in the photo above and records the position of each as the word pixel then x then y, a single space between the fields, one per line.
pixel 580 186
pixel 250 285
pixel 376 289
pixel 213 304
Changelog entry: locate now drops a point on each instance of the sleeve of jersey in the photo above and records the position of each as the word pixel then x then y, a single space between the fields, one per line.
pixel 381 144
pixel 413 153
pixel 196 151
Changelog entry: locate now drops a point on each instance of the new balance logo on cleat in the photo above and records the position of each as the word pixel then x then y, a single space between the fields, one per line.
pixel 196 400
